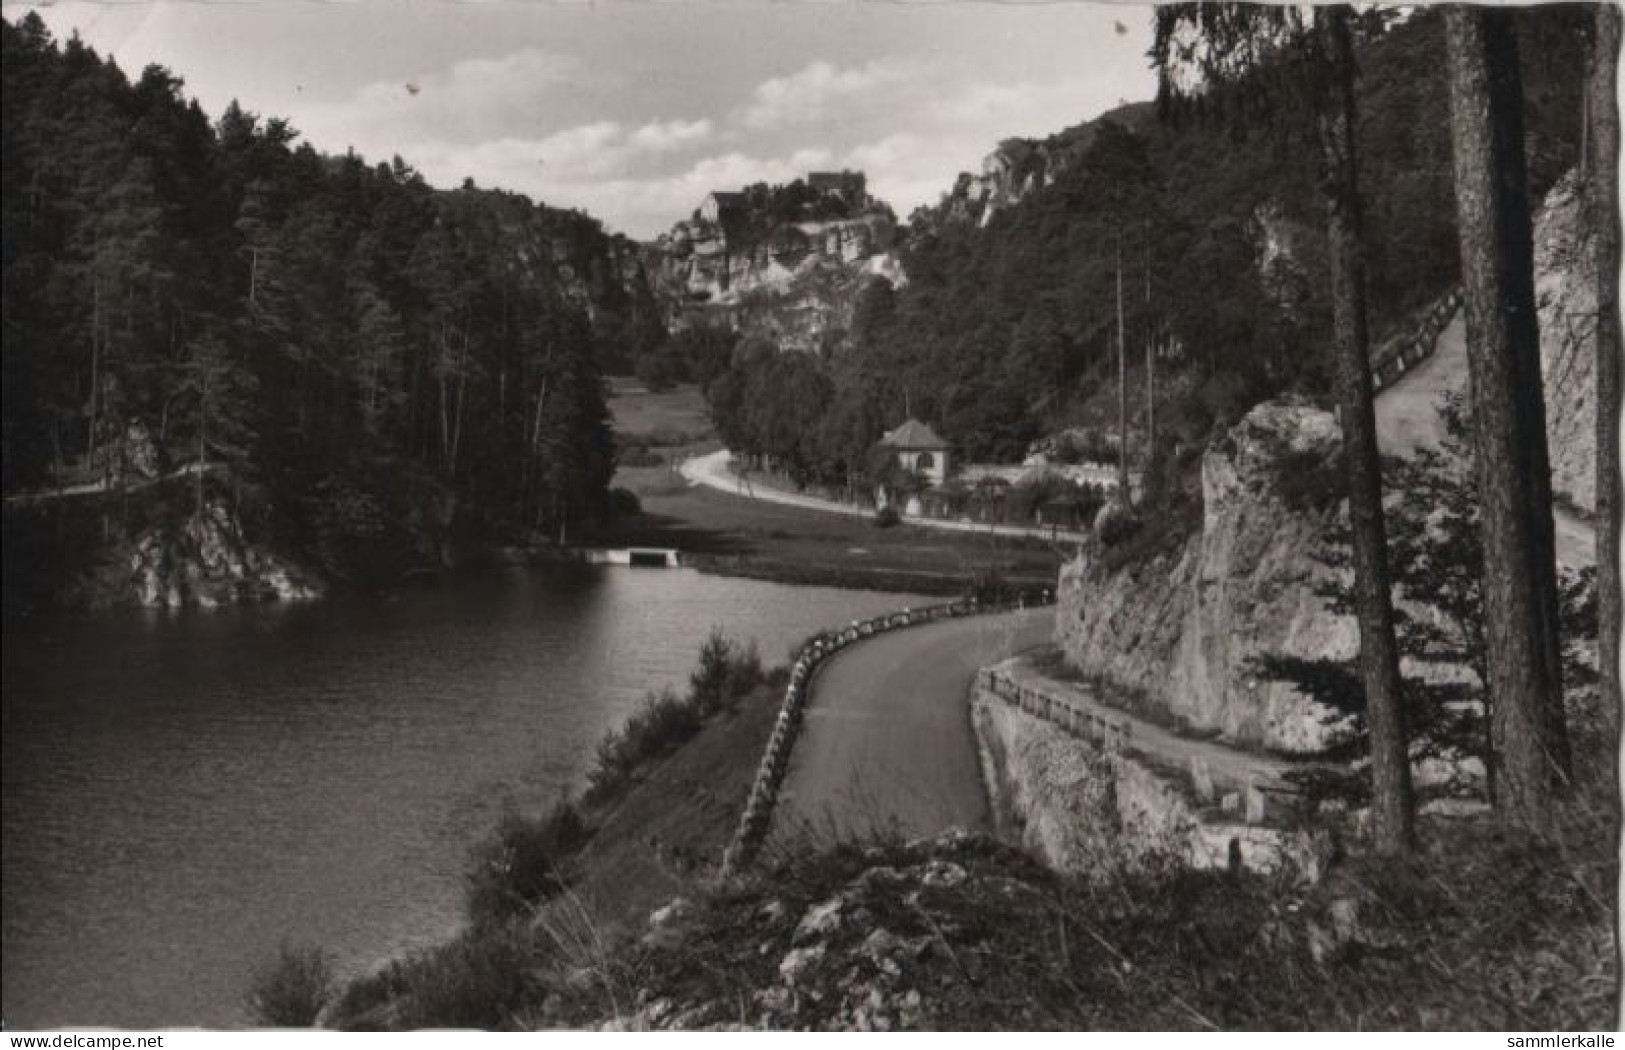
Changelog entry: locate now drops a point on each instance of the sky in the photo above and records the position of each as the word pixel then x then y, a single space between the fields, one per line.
pixel 635 109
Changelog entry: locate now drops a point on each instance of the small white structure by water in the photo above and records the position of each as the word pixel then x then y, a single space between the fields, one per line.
pixel 644 557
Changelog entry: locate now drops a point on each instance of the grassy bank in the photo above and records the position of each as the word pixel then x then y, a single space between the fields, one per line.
pixel 663 800
pixel 1481 930
pixel 737 536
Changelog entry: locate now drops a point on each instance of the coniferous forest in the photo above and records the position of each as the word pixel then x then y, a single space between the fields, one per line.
pixel 364 368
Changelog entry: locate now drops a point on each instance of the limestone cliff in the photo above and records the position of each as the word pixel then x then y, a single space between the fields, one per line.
pixel 1015 170
pixel 783 263
pixel 1566 292
pixel 1180 628
pixel 204 561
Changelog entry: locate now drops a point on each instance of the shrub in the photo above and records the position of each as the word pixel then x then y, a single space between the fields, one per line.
pixel 484 979
pixel 725 673
pixel 632 452
pixel 663 722
pixel 624 503
pixel 990 586
pixel 291 991
pixel 887 516
pixel 522 864
pixel 1118 524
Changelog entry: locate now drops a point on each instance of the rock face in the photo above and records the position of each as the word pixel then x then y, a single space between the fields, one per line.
pixel 204 562
pixel 1100 809
pixel 1566 292
pixel 782 263
pixel 1015 170
pixel 1180 629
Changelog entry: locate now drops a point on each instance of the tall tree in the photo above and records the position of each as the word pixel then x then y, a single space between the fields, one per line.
pixel 1509 415
pixel 1345 232
pixel 1151 331
pixel 1123 492
pixel 1251 48
pixel 1602 182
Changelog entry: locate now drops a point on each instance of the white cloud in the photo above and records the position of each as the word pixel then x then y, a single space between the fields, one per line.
pixel 593 167
pixel 673 134
pixel 910 123
pixel 470 100
pixel 821 90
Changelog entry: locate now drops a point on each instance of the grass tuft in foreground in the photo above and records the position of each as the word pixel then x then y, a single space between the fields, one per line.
pixel 292 990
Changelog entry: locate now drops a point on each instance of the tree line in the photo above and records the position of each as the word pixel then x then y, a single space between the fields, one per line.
pixel 347 344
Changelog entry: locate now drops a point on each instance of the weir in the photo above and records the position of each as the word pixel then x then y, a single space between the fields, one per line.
pixel 638 557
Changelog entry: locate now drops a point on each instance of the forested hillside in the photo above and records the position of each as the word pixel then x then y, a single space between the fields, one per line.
pixel 1006 329
pixel 361 365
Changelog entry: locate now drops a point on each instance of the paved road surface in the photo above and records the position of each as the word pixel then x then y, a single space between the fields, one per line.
pixel 712 471
pixel 887 744
pixel 1407 420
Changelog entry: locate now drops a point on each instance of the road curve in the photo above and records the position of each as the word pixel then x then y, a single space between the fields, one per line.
pixel 711 470
pixel 887 745
pixel 1408 419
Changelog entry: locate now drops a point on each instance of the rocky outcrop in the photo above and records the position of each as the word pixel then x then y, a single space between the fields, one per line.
pixel 1566 294
pixel 1281 268
pixel 1180 629
pixel 1015 170
pixel 1011 173
pixel 788 273
pixel 883 949
pixel 204 561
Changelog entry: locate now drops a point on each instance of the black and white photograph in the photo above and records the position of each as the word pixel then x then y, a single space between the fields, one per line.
pixel 810 515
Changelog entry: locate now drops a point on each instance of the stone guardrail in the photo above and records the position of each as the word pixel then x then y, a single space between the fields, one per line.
pixel 1089 725
pixel 1405 353
pixel 764 791
pixel 1254 797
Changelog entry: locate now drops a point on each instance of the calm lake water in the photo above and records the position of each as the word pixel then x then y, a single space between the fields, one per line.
pixel 182 792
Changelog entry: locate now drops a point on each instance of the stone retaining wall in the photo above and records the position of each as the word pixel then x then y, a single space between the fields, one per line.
pixel 1079 791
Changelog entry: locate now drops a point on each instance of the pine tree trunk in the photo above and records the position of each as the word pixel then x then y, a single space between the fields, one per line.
pixel 95 369
pixel 1603 184
pixel 1122 387
pixel 373 371
pixel 1150 376
pixel 445 401
pixel 1509 416
pixel 462 393
pixel 202 443
pixel 1391 804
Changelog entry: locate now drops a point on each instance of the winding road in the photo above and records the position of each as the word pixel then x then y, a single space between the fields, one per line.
pixel 1408 419
pixel 712 471
pixel 887 746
